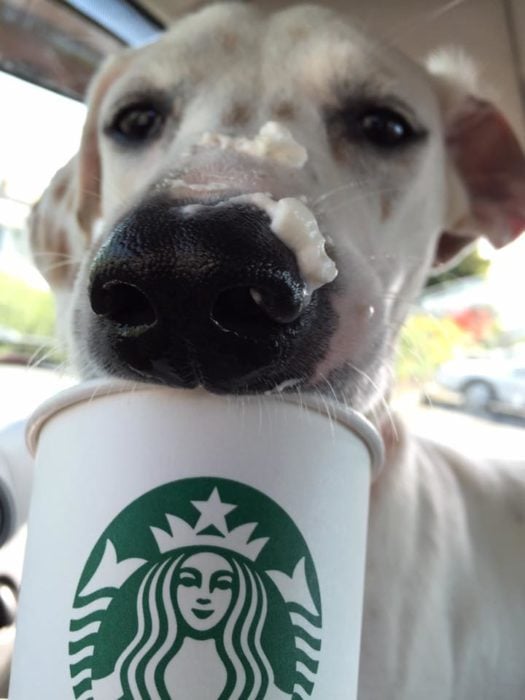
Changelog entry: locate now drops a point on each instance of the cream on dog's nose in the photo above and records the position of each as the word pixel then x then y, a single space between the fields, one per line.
pixel 200 293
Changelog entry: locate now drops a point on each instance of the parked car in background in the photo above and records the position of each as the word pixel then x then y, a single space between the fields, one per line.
pixel 485 384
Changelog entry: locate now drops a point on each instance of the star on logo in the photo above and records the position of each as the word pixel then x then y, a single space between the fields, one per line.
pixel 213 512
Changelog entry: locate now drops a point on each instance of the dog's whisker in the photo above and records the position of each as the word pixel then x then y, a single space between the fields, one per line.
pixel 53 254
pixel 401 30
pixel 354 184
pixel 116 193
pixel 378 395
pixel 43 353
pixel 361 196
pixel 60 265
pixel 444 9
pixel 338 398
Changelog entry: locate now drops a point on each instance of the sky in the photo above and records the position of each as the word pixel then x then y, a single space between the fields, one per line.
pixel 39 132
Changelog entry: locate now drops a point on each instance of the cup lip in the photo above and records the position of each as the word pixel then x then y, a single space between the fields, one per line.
pixel 98 388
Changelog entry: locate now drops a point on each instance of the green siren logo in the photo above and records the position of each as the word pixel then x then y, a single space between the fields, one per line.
pixel 202 589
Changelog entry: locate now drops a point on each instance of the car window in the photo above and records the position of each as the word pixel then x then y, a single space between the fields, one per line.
pixel 26 306
pixel 458 353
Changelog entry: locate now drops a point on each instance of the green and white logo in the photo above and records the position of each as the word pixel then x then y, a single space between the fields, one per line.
pixel 202 589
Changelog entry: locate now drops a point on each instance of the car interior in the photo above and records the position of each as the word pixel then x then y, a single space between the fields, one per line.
pixel 466 316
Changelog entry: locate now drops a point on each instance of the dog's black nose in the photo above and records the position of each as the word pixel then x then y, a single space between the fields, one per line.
pixel 198 293
pixel 222 262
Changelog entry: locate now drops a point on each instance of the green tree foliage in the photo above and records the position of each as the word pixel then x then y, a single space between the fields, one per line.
pixel 24 309
pixel 425 343
pixel 473 265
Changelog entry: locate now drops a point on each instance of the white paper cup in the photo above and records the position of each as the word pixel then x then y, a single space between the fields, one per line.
pixel 184 545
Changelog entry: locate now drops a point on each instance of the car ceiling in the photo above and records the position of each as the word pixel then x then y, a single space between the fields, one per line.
pixel 49 41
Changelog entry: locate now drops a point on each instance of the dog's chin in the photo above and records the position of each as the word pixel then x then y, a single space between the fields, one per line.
pixel 194 376
pixel 345 386
pixel 233 387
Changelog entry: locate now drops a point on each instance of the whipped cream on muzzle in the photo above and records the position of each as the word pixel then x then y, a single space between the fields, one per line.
pixel 290 219
pixel 273 142
pixel 296 226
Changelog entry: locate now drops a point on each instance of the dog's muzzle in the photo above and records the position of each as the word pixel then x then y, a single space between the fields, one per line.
pixel 204 294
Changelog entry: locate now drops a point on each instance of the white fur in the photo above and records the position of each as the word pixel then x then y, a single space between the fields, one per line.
pixel 445 589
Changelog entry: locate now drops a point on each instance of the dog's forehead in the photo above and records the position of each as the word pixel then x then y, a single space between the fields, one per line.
pixel 307 51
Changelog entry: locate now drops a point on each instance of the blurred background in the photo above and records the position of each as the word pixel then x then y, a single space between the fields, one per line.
pixel 461 357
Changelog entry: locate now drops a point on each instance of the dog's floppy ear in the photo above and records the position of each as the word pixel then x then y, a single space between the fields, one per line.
pixel 486 162
pixel 89 173
pixel 61 223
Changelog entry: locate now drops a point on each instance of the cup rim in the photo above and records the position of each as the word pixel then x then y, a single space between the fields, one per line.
pixel 98 388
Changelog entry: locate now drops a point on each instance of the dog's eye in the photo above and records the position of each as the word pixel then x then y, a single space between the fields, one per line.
pixel 385 128
pixel 137 123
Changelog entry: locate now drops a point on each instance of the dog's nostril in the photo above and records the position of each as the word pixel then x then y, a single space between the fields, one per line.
pixel 281 307
pixel 235 310
pixel 252 312
pixel 124 304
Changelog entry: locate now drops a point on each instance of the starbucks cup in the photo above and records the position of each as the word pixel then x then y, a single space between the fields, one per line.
pixel 185 545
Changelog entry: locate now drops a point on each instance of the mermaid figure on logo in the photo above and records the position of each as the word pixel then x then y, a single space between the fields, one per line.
pixel 197 619
pixel 200 618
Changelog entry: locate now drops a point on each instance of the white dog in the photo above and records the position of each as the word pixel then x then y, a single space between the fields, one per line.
pixel 226 173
